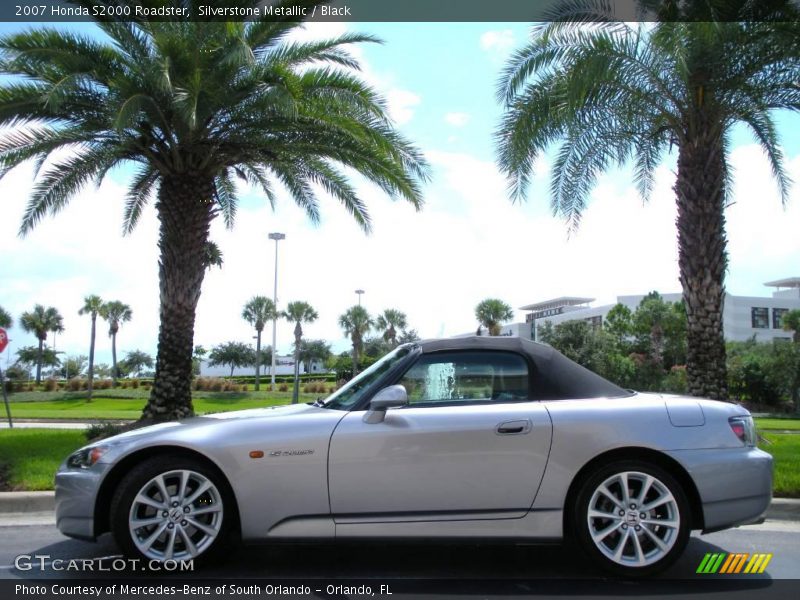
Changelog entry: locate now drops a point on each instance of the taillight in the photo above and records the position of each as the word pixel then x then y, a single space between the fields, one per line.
pixel 744 429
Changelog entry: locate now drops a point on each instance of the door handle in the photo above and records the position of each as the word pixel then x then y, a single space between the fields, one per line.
pixel 514 427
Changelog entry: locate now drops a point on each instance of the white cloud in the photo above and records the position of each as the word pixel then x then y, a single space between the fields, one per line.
pixel 497 42
pixel 401 104
pixel 456 119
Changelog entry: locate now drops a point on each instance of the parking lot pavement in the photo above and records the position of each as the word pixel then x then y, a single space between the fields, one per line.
pixel 403 561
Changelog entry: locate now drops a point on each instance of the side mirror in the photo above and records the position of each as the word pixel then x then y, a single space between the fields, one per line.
pixel 388 397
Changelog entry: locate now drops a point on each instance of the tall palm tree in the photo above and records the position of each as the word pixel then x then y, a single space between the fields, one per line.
pixel 258 311
pixel 390 321
pixel 612 92
pixel 356 323
pixel 297 313
pixel 194 106
pixel 41 321
pixel 115 313
pixel 91 306
pixel 492 313
pixel 6 320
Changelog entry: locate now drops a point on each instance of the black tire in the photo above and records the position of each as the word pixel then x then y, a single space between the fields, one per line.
pixel 644 555
pixel 223 521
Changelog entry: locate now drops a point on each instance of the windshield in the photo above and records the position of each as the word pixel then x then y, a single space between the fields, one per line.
pixel 349 394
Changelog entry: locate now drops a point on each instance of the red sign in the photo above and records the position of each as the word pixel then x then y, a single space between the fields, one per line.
pixel 3 339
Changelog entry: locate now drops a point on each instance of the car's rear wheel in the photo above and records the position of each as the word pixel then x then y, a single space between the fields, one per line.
pixel 172 509
pixel 632 518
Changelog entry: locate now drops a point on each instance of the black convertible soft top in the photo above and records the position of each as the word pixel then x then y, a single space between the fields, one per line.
pixel 555 376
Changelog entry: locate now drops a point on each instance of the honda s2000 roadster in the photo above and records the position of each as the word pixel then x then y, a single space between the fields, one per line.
pixel 468 438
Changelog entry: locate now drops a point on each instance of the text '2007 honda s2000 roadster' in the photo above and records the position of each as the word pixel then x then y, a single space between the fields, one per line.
pixel 468 438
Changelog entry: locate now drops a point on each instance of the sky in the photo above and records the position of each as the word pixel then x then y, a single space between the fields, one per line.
pixel 468 243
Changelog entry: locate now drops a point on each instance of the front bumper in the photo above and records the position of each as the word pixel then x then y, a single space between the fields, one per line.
pixel 76 496
pixel 734 484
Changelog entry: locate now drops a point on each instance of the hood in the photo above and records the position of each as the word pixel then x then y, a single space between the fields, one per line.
pixel 210 419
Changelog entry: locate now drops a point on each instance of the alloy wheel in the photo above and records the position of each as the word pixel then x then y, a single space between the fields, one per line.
pixel 176 515
pixel 633 519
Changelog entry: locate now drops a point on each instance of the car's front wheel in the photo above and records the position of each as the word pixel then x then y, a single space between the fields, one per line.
pixel 171 509
pixel 632 517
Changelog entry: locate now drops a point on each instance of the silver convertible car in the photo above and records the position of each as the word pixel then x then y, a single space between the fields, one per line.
pixel 472 438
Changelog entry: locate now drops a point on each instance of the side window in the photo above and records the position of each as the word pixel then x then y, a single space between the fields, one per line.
pixel 467 377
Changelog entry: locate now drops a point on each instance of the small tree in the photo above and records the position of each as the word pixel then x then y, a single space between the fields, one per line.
pixel 258 311
pixel 136 360
pixel 791 322
pixel 232 354
pixel 390 321
pixel 41 321
pixel 115 313
pixel 197 359
pixel 73 366
pixel 297 313
pixel 356 323
pixel 492 313
pixel 6 320
pixel 91 306
pixel 314 350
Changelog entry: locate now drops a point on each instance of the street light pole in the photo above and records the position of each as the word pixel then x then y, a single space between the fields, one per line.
pixel 277 237
pixel 359 292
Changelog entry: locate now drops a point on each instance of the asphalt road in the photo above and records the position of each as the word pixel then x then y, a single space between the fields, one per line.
pixel 400 561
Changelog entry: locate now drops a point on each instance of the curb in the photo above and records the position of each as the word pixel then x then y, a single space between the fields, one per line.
pixel 780 509
pixel 26 502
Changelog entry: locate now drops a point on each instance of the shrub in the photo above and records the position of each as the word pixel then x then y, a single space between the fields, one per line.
pixel 283 387
pixel 135 384
pixel 50 385
pixel 98 431
pixel 76 383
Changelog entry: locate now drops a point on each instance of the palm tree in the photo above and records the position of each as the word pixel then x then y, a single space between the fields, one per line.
pixel 791 322
pixel 613 92
pixel 91 306
pixel 356 323
pixel 40 321
pixel 115 313
pixel 257 312
pixel 390 321
pixel 297 313
pixel 6 320
pixel 492 313
pixel 194 106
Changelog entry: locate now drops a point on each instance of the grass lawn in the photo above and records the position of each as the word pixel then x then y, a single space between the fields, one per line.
pixel 778 424
pixel 785 449
pixel 31 456
pixel 104 407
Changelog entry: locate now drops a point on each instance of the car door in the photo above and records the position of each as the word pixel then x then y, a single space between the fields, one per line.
pixel 469 445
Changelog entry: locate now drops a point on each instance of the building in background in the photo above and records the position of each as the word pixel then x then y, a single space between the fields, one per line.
pixel 743 317
pixel 284 365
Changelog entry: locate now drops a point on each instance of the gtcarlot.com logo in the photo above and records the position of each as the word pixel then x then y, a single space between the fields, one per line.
pixel 732 564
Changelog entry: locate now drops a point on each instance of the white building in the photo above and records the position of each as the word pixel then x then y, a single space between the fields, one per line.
pixel 742 317
pixel 284 365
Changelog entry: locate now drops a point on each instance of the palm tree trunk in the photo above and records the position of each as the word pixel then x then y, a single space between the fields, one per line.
pixel 702 258
pixel 298 334
pixel 89 386
pixel 39 358
pixel 258 356
pixel 185 210
pixel 114 371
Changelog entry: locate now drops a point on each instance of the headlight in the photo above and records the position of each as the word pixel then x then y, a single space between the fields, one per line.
pixel 86 457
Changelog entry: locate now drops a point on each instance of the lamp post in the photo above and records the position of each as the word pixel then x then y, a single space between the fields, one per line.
pixel 359 292
pixel 277 237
